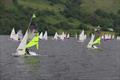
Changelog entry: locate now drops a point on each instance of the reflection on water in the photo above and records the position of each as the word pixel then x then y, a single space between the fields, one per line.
pixel 32 62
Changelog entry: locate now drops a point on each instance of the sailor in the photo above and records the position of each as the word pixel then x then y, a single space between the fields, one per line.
pixel 27 51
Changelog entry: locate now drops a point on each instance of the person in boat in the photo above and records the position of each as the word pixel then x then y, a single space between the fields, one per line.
pixel 27 51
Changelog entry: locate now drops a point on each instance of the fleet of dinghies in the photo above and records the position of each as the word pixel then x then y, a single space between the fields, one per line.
pixel 61 36
pixel 31 38
pixel 108 36
pixel 43 37
pixel 34 41
pixel 16 36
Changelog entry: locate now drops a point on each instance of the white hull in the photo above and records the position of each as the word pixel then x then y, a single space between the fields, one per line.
pixel 31 54
pixel 90 47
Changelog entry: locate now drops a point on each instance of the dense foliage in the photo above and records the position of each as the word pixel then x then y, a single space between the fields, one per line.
pixel 70 18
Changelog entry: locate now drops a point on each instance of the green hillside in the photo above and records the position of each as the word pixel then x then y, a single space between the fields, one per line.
pixel 41 5
pixel 105 5
pixel 58 15
pixel 87 5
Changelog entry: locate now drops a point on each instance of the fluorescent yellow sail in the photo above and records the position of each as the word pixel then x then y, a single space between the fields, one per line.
pixel 33 42
pixel 97 41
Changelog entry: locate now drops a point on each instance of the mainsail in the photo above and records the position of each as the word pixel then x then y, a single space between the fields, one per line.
pixel 91 41
pixel 41 35
pixel 68 36
pixel 22 46
pixel 82 36
pixel 33 42
pixel 12 33
pixel 62 36
pixel 56 36
pixel 45 37
pixel 97 41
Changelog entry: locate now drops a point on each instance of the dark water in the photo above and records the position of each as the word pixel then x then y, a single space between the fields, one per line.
pixel 66 60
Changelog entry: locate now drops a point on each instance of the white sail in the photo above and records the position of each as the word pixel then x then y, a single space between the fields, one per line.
pixel 118 37
pixel 45 37
pixel 20 35
pixel 22 46
pixel 65 35
pixel 113 36
pixel 41 35
pixel 102 36
pixel 109 36
pixel 12 33
pixel 82 36
pixel 62 36
pixel 106 36
pixel 76 36
pixel 68 36
pixel 91 41
pixel 85 37
pixel 15 37
pixel 31 34
pixel 56 36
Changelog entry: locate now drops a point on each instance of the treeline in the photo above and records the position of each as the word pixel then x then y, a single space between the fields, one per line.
pixel 19 17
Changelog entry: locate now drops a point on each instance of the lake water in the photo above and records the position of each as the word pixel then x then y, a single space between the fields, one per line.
pixel 65 60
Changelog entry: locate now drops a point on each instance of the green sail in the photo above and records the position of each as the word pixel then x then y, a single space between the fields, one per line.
pixel 33 42
pixel 97 41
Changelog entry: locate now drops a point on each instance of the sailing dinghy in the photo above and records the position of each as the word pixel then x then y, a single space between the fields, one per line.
pixel 92 43
pixel 55 36
pixel 13 35
pixel 41 35
pixel 21 50
pixel 45 37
